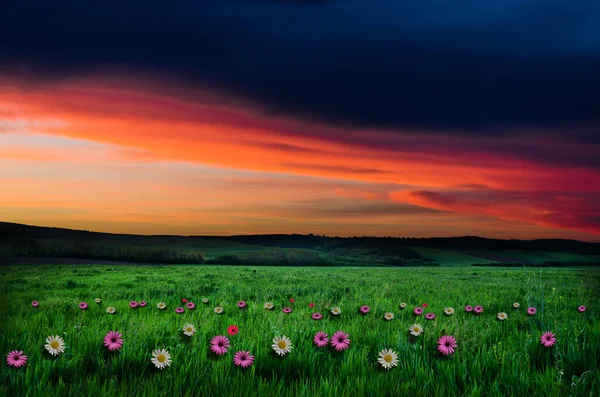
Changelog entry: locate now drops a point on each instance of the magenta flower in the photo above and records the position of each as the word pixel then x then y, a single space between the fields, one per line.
pixel 179 310
pixel 243 359
pixel 581 309
pixel 340 341
pixel 548 339
pixel 190 305
pixel 446 345
pixel 16 359
pixel 365 309
pixel 83 306
pixel 317 316
pixel 321 339
pixel 287 310
pixel 531 311
pixel 219 345
pixel 478 309
pixel 430 316
pixel 113 340
pixel 36 304
pixel 241 304
pixel 468 309
pixel 417 311
pixel 143 304
pixel 133 304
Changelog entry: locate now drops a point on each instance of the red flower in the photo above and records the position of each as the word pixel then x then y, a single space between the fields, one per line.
pixel 424 305
pixel 311 304
pixel 232 330
pixel 292 300
pixel 183 300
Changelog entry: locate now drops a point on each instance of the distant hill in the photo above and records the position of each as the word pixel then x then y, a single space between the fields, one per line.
pixel 18 240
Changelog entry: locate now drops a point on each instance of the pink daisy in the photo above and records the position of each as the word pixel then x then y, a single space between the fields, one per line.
pixel 179 310
pixel 83 306
pixel 219 345
pixel 548 339
pixel 143 304
pixel 16 359
pixel 581 309
pixel 468 308
pixel 424 305
pixel 113 340
pixel 243 359
pixel 417 311
pixel 190 305
pixel 478 309
pixel 365 309
pixel 133 304
pixel 317 316
pixel 241 304
pixel 446 345
pixel 340 341
pixel 287 310
pixel 430 316
pixel 531 311
pixel 36 304
pixel 321 339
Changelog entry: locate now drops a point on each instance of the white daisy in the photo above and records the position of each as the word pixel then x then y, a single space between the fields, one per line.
pixel 388 358
pixel 516 305
pixel 161 305
pixel 449 311
pixel 282 345
pixel 269 305
pixel 111 310
pixel 189 329
pixel 55 345
pixel 336 311
pixel 218 310
pixel 161 358
pixel 402 305
pixel 97 300
pixel 388 316
pixel 502 316
pixel 205 301
pixel 416 329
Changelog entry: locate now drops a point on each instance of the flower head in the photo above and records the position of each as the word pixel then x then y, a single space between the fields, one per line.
pixel 287 310
pixel 243 359
pixel 83 306
pixel 190 305
pixel 311 305
pixel 133 304
pixel 424 304
pixel 417 311
pixel 336 311
pixel 429 316
pixel 446 345
pixel 111 310
pixel 55 345
pixel 416 329
pixel 233 330
pixel 98 300
pixel 241 304
pixel 205 301
pixel 516 305
pixel 143 303
pixel 449 311
pixel 218 310
pixel 34 304
pixel 179 310
pixel 321 339
pixel 531 311
pixel 183 300
pixel 478 309
pixel 282 345
pixel 161 358
pixel 402 306
pixel 340 341
pixel 581 309
pixel 365 309
pixel 502 316
pixel 269 305
pixel 317 316
pixel 548 339
pixel 219 345
pixel 388 358
pixel 468 308
pixel 189 329
pixel 388 316
pixel 161 305
pixel 16 359
pixel 113 340
pixel 292 300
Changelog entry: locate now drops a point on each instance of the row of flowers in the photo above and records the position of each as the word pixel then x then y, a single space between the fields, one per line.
pixel 282 345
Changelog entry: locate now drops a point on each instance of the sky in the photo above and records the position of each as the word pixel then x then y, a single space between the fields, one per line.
pixel 348 118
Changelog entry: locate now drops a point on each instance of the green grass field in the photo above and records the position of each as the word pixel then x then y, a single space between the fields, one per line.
pixel 493 358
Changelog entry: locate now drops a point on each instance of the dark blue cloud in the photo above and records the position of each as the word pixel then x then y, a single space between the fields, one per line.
pixel 433 64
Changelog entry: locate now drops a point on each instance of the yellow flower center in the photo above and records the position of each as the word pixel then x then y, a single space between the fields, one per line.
pixel 281 344
pixel 161 358
pixel 416 329
pixel 55 344
pixel 189 329
pixel 388 358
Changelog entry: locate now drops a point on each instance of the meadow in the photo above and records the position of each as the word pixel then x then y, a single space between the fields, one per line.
pixel 493 357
